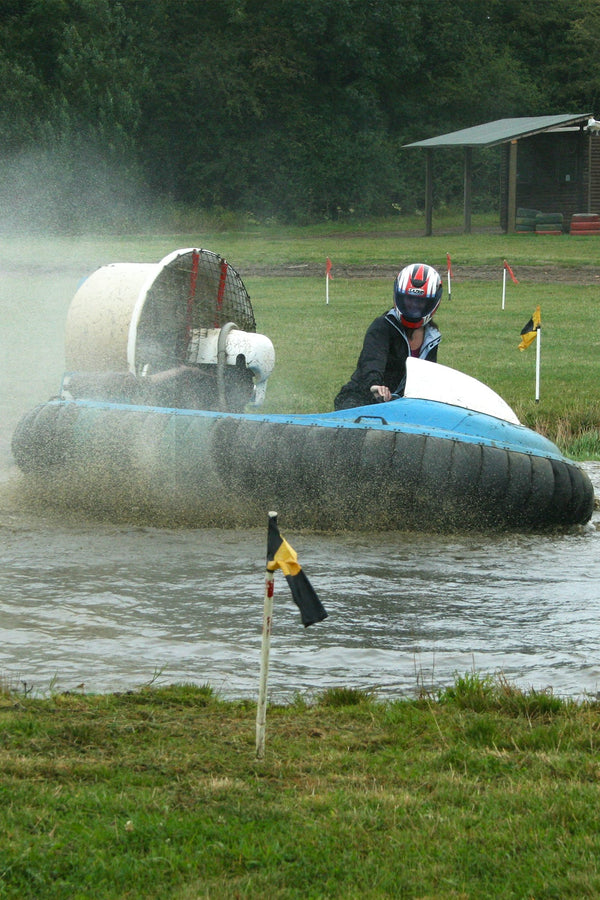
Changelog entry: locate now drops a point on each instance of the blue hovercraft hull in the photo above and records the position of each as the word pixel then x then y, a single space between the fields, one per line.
pixel 407 464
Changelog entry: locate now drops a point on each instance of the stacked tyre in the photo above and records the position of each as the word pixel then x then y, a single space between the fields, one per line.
pixel 549 223
pixel 525 220
pixel 585 223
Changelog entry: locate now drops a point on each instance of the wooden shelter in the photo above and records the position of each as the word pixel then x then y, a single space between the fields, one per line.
pixel 549 163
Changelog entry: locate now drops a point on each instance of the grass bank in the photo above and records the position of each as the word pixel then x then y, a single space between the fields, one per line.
pixel 482 791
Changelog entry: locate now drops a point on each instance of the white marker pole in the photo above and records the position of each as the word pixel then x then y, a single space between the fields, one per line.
pixel 261 710
pixel 503 286
pixel 327 277
pixel 538 356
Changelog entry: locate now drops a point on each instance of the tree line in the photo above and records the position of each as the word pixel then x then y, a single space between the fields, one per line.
pixel 291 110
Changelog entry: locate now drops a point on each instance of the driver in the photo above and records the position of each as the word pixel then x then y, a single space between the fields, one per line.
pixel 406 330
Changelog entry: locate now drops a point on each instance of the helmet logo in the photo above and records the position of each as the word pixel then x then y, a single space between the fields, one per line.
pixel 414 290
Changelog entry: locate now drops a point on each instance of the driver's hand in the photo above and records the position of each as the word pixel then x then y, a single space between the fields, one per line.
pixel 381 392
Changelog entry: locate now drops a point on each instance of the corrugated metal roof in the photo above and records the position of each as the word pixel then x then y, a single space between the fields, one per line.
pixel 500 131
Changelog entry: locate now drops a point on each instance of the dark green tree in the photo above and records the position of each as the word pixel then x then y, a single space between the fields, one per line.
pixel 297 109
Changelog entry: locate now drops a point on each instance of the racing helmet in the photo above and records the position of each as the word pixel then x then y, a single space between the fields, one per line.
pixel 417 294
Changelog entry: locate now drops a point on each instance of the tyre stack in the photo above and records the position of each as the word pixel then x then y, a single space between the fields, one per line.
pixel 549 223
pixel 585 223
pixel 525 220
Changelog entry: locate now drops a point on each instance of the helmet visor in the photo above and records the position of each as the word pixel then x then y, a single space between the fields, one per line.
pixel 414 307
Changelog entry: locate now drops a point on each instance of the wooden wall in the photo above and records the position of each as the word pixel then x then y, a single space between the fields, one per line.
pixel 557 172
pixel 594 168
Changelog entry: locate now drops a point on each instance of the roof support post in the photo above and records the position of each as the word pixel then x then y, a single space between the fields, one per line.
pixel 428 192
pixel 467 189
pixel 512 187
pixel 589 168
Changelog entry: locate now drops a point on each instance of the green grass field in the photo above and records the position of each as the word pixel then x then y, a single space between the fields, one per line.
pixel 479 338
pixel 386 241
pixel 480 792
pixel 317 344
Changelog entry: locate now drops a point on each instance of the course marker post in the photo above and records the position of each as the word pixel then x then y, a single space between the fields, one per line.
pixel 538 357
pixel 261 711
pixel 506 269
pixel 327 279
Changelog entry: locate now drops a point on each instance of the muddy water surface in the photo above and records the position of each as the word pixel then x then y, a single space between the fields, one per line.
pixel 113 607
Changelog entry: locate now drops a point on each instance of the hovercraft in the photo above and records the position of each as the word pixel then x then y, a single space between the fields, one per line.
pixel 157 419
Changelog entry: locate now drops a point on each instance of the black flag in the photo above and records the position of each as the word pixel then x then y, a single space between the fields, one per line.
pixel 281 556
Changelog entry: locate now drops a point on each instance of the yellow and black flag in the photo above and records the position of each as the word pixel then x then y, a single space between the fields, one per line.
pixel 529 333
pixel 281 556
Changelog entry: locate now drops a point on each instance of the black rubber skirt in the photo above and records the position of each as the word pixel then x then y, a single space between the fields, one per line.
pixel 172 468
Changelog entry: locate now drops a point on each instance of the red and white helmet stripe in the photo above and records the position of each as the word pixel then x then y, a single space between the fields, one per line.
pixel 417 294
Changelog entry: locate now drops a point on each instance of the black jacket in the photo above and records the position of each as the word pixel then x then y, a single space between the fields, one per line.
pixel 382 360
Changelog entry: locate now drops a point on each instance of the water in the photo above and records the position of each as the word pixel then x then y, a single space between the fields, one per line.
pixel 95 606
pixel 100 607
